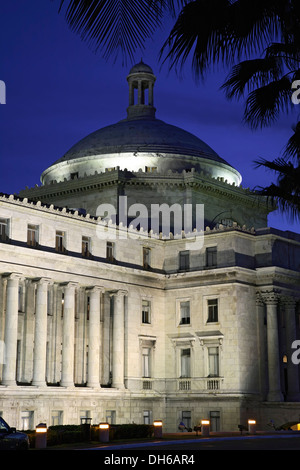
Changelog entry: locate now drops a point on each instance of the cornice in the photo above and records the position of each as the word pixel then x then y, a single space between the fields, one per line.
pixel 193 179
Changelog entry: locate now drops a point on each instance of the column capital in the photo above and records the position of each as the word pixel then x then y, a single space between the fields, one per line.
pixel 70 284
pixel 119 293
pixel 100 289
pixel 259 299
pixel 288 301
pixel 270 296
pixel 16 276
pixel 42 280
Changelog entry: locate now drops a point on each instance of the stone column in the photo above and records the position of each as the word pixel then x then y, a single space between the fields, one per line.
pixel 67 373
pixel 271 300
pixel 290 328
pixel 28 335
pixel 11 330
pixel 94 334
pixel 118 339
pixel 140 92
pixel 40 334
pixel 263 373
pixel 106 347
pixel 131 94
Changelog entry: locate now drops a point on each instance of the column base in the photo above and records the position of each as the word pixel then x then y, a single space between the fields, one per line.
pixel 39 384
pixel 94 385
pixel 67 385
pixel 9 383
pixel 121 386
pixel 275 396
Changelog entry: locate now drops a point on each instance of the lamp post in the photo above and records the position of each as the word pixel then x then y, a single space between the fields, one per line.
pixel 103 432
pixel 157 428
pixel 205 427
pixel 41 436
pixel 251 426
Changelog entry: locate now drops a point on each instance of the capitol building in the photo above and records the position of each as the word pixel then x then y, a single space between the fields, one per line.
pixel 140 281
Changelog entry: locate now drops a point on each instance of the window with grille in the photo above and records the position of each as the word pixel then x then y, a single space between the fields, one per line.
pixel 186 418
pixel 146 311
pixel 213 361
pixel 85 247
pixel 185 313
pixel 185 359
pixel 60 242
pixel 212 308
pixel 146 257
pixel 32 235
pixel 184 260
pixel 110 249
pixel 146 366
pixel 211 256
pixel 4 233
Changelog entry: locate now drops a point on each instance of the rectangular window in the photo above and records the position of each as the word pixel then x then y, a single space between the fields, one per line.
pixel 184 260
pixel 4 232
pixel 32 235
pixel 185 357
pixel 212 308
pixel 146 371
pixel 111 416
pixel 150 169
pixel 186 418
pixel 60 242
pixel 211 256
pixel 147 417
pixel 74 175
pixel 146 311
pixel 85 247
pixel 213 361
pixel 214 420
pixel 56 418
pixel 146 257
pixel 26 420
pixel 185 313
pixel 110 248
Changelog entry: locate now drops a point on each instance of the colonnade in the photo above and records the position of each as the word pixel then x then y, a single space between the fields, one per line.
pixel 268 302
pixel 44 325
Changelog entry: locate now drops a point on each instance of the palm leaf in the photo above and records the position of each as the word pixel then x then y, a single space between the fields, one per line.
pixel 289 53
pixel 116 26
pixel 264 104
pixel 251 73
pixel 213 31
pixel 286 193
pixel 292 149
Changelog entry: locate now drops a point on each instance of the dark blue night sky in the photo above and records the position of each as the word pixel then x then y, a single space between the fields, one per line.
pixel 58 91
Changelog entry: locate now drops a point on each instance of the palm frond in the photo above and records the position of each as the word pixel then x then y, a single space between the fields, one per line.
pixel 286 193
pixel 116 26
pixel 289 53
pixel 292 149
pixel 264 104
pixel 214 31
pixel 249 74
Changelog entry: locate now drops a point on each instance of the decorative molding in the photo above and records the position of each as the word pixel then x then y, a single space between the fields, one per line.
pixel 270 296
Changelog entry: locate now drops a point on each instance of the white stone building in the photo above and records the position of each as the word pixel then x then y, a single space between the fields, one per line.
pixel 131 325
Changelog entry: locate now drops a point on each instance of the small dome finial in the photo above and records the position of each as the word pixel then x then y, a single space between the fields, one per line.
pixel 142 78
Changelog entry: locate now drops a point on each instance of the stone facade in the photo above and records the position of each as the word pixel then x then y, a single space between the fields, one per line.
pixel 85 335
pixel 115 321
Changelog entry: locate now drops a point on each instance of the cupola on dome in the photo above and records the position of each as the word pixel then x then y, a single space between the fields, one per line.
pixel 140 142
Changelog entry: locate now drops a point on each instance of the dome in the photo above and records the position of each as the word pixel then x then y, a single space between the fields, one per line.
pixel 141 68
pixel 148 136
pixel 140 142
